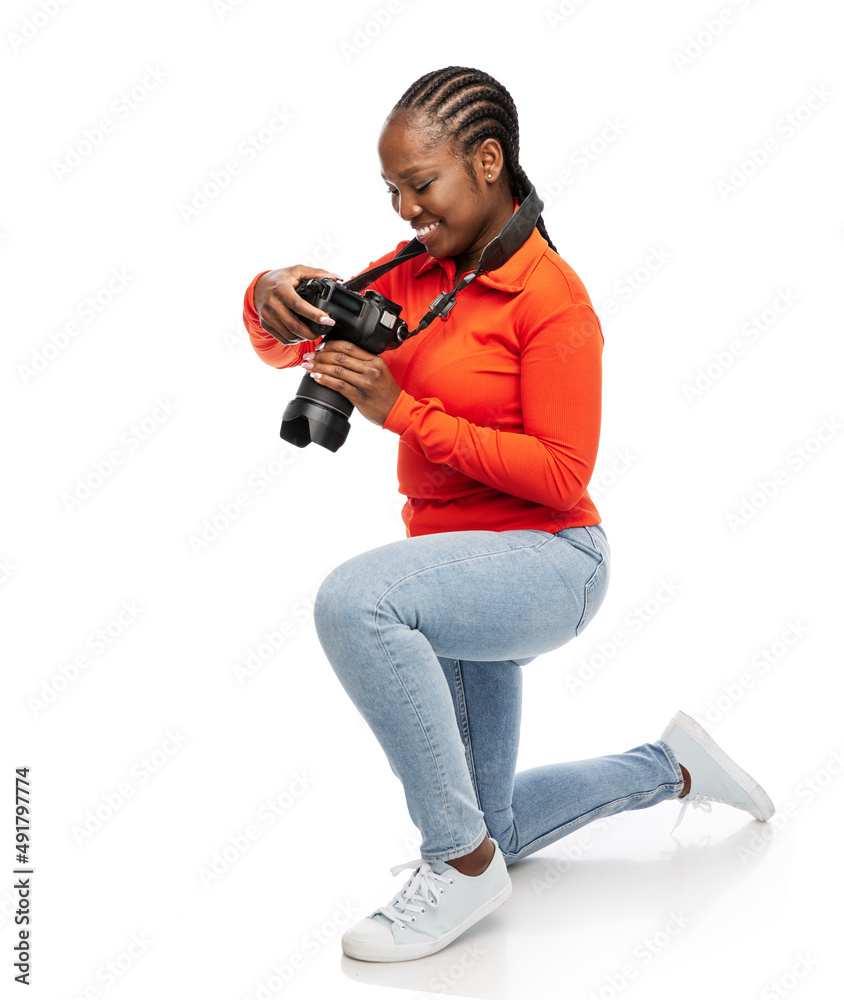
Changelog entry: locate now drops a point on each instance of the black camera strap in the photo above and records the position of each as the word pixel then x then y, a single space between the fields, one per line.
pixel 496 253
pixel 413 249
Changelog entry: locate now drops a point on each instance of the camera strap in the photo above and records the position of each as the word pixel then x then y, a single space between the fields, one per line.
pixel 496 253
pixel 413 249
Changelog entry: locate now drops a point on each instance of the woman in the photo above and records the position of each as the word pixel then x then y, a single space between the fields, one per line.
pixel 497 408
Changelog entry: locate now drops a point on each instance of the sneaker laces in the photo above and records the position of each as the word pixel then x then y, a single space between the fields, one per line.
pixel 700 801
pixel 420 890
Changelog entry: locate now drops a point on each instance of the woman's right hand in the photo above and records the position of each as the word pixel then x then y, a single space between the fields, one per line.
pixel 279 306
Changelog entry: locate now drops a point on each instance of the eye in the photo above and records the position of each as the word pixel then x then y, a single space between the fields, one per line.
pixel 419 190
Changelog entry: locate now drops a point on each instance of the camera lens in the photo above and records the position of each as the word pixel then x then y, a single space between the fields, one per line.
pixel 316 413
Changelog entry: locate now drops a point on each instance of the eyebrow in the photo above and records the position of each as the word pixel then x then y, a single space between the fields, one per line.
pixel 406 173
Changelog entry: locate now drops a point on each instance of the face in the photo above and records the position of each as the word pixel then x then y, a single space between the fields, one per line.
pixel 431 187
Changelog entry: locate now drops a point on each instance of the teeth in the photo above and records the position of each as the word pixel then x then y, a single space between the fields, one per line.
pixel 427 229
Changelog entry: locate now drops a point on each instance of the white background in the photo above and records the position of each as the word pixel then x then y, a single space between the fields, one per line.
pixel 158 736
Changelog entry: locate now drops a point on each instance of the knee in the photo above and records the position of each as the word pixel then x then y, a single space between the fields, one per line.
pixel 343 598
pixel 333 599
pixel 502 830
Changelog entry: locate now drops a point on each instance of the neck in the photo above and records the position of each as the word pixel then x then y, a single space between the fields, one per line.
pixel 469 260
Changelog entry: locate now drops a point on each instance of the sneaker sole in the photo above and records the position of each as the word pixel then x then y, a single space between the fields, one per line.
pixel 765 807
pixel 405 952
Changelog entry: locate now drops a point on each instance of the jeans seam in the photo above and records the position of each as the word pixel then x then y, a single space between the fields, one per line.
pixel 463 719
pixel 669 753
pixel 588 532
pixel 454 562
pixel 588 593
pixel 408 695
pixel 376 611
pixel 582 820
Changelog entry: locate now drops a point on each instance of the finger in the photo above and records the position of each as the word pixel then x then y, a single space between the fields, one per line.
pixel 338 365
pixel 299 305
pixel 347 348
pixel 301 271
pixel 283 301
pixel 287 323
pixel 343 386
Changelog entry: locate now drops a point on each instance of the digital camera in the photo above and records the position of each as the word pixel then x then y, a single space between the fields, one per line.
pixel 372 322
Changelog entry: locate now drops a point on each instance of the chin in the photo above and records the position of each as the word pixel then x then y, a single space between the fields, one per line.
pixel 442 250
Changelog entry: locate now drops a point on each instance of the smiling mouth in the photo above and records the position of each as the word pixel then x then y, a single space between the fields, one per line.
pixel 424 232
pixel 427 229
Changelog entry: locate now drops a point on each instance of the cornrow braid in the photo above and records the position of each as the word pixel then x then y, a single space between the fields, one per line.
pixel 467 106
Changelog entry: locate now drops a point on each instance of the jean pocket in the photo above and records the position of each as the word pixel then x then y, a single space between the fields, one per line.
pixel 595 591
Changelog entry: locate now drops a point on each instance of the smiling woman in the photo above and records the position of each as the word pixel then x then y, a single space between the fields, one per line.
pixel 446 131
pixel 497 406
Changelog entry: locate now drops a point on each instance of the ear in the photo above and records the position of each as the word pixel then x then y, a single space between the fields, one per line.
pixel 490 158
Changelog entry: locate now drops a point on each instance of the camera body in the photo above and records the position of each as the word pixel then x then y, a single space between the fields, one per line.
pixel 370 320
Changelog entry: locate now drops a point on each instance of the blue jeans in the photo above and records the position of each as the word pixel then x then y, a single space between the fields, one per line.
pixel 428 636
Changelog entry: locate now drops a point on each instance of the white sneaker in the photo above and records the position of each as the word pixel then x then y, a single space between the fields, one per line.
pixel 714 777
pixel 435 906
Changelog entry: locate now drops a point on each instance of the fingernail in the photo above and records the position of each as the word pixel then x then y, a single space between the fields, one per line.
pixel 307 364
pixel 327 321
pixel 315 374
pixel 308 357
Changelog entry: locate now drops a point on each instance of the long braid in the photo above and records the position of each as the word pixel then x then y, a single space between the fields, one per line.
pixel 468 106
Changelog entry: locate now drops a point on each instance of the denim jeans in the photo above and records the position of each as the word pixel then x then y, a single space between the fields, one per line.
pixel 428 636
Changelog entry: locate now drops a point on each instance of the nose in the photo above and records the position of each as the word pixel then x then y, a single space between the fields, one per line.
pixel 408 208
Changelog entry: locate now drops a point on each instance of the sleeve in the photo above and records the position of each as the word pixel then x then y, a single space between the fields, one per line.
pixel 552 462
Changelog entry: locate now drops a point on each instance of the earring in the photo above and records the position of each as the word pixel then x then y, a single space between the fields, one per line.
pixel 490 176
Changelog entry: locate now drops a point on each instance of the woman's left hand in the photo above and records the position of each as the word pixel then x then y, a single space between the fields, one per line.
pixel 361 377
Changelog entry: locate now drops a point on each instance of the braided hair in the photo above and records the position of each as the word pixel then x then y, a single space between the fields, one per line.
pixel 467 106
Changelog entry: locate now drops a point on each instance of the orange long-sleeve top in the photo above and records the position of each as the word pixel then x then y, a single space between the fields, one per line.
pixel 499 413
